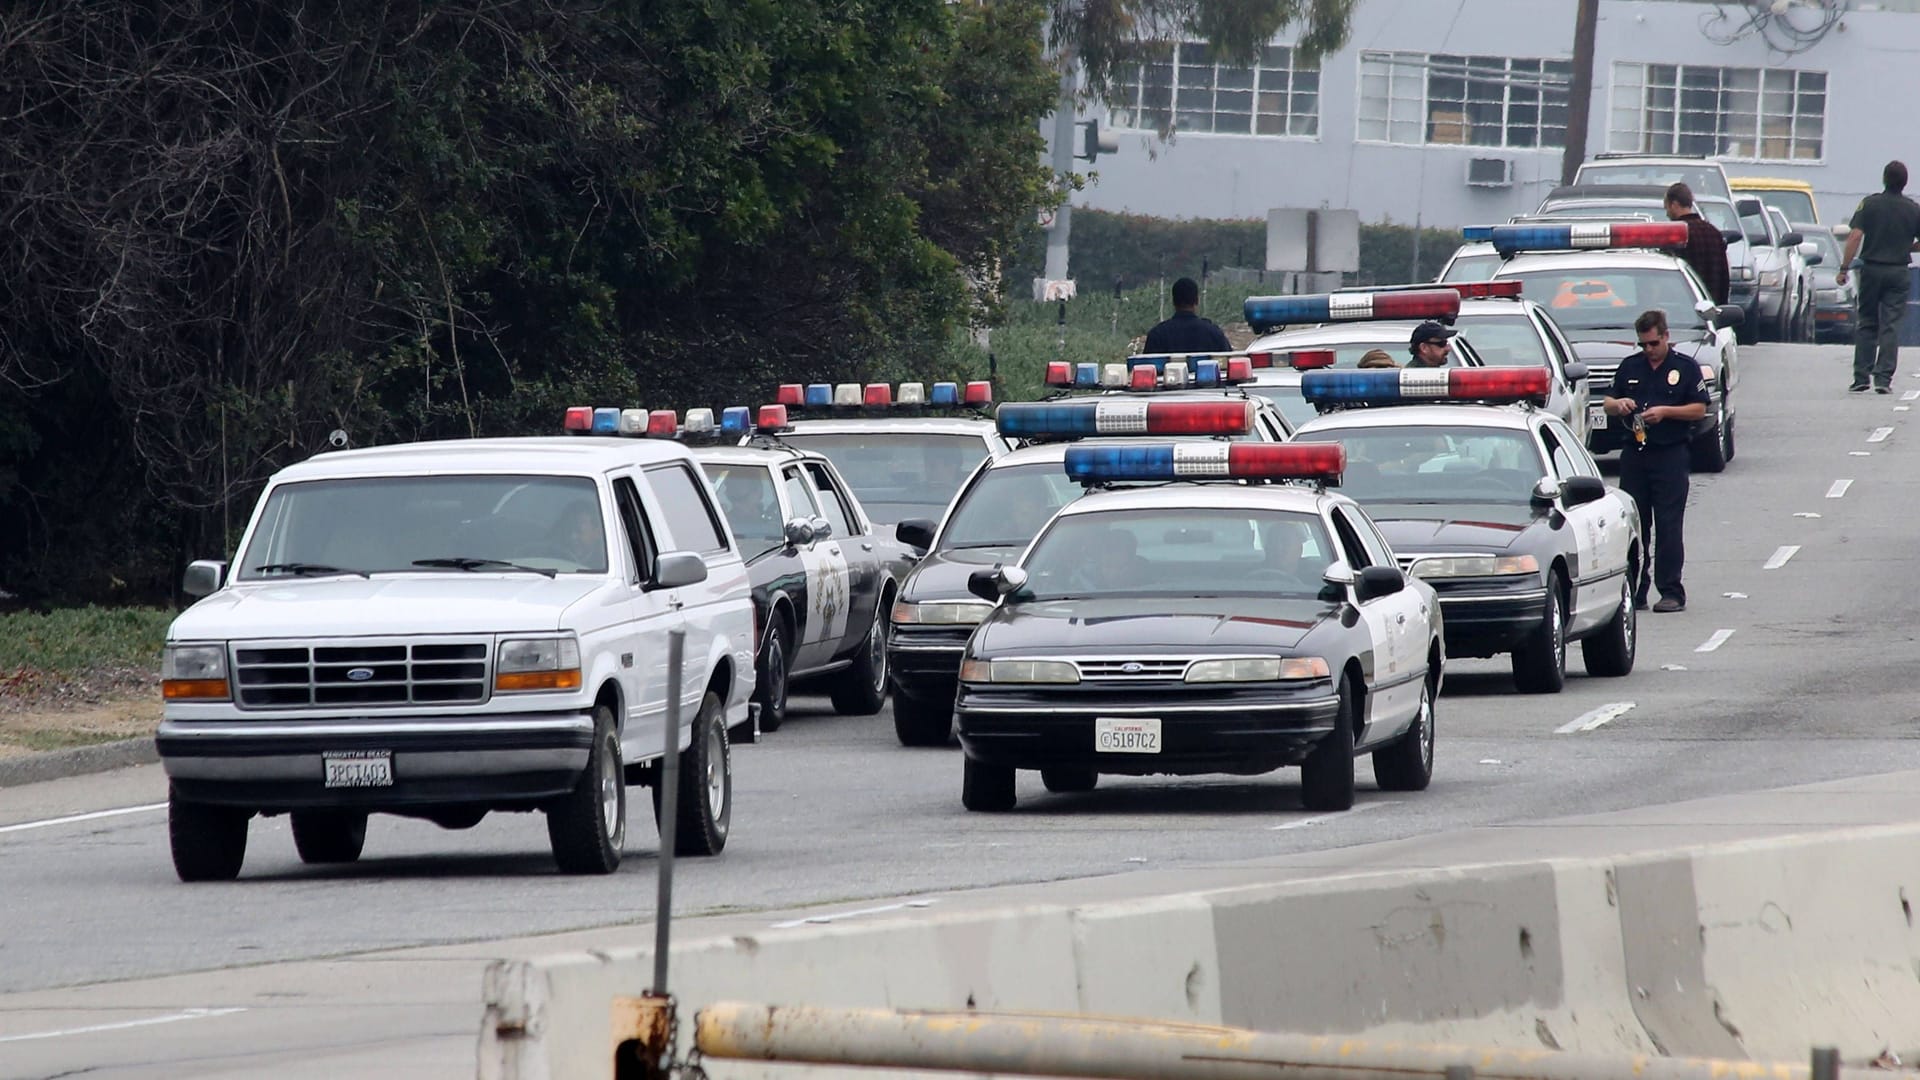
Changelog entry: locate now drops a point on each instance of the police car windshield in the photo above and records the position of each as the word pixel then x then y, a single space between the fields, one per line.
pixel 1829 249
pixel 1008 506
pixel 1288 400
pixel 752 507
pixel 898 474
pixel 1703 181
pixel 1417 464
pixel 1471 268
pixel 381 524
pixel 1610 298
pixel 1796 205
pixel 1178 552
pixel 1504 340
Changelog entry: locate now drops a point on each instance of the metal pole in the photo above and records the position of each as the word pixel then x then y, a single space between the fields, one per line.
pixel 1062 230
pixel 1580 91
pixel 1039 1044
pixel 669 813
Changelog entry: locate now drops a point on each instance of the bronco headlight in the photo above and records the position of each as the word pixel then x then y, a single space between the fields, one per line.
pixel 194 673
pixel 537 664
pixel 1019 671
pixel 1257 669
pixel 1452 566
pixel 941 613
pixel 1769 278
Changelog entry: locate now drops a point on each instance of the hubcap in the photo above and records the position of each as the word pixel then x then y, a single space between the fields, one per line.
pixel 1559 637
pixel 1628 620
pixel 716 775
pixel 610 786
pixel 1426 728
pixel 877 646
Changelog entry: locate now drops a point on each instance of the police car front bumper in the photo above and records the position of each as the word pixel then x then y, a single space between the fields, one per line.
pixel 1485 620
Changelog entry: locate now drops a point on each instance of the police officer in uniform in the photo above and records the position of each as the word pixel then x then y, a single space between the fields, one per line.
pixel 1429 346
pixel 1660 392
pixel 1886 228
pixel 1186 331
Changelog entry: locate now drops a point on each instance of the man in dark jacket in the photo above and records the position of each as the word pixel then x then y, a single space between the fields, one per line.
pixel 1706 249
pixel 1885 230
pixel 1186 332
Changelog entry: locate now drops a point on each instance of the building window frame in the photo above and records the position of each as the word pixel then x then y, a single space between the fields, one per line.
pixel 1503 102
pixel 1757 114
pixel 1275 98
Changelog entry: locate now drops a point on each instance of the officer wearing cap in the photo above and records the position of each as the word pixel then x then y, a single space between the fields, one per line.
pixel 1429 344
pixel 1660 391
pixel 1186 331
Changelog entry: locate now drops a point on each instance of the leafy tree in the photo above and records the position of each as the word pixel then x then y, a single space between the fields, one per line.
pixel 1107 35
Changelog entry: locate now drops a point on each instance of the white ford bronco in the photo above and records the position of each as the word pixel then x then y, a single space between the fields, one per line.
pixel 445 629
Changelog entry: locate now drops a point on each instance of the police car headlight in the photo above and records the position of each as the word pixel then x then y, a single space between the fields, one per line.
pixel 941 613
pixel 537 664
pixel 1019 671
pixel 1769 278
pixel 194 673
pixel 1453 566
pixel 1257 669
pixel 1827 296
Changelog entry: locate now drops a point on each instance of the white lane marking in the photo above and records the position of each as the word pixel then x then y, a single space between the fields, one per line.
pixel 1859 453
pixel 71 818
pixel 1588 721
pixel 1903 408
pixel 1734 595
pixel 1911 395
pixel 1673 667
pixel 1880 434
pixel 815 920
pixel 1718 639
pixel 1807 513
pixel 1839 488
pixel 170 1018
pixel 1780 556
pixel 1316 819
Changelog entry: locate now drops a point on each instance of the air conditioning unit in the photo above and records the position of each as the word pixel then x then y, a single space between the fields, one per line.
pixel 1489 172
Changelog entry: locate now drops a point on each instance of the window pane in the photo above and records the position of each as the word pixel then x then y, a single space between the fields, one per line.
pixel 1271 124
pixel 1307 126
pixel 1237 78
pixel 1233 101
pixel 1308 81
pixel 1306 106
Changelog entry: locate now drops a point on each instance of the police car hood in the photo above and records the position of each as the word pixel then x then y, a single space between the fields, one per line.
pixel 942 575
pixel 1155 626
pixel 1414 529
pixel 386 605
pixel 1592 347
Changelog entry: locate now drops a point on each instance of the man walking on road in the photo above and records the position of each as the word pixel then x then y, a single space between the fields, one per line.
pixel 1660 391
pixel 1886 228
pixel 1706 249
pixel 1186 331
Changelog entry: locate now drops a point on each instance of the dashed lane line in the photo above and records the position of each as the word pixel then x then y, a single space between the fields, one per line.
pixel 1780 556
pixel 1595 718
pixel 1839 488
pixel 1718 639
pixel 1880 434
pixel 122 1025
pixel 72 818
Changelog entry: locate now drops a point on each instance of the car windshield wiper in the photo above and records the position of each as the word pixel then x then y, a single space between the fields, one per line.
pixel 985 544
pixel 471 563
pixel 304 569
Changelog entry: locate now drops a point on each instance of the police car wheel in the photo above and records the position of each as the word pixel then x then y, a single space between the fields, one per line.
pixel 587 827
pixel 1540 666
pixel 1407 764
pixel 1609 653
pixel 986 788
pixel 705 806
pixel 1708 453
pixel 861 689
pixel 1326 777
pixel 329 836
pixel 922 722
pixel 208 842
pixel 1068 780
pixel 771 686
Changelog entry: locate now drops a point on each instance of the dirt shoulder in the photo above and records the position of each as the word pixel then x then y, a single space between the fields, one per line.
pixel 32 725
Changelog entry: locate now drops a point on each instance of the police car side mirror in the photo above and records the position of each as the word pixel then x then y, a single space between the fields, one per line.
pixel 203 577
pixel 1732 236
pixel 822 528
pixel 798 532
pixel 1728 315
pixel 1576 371
pixel 915 533
pixel 1338 573
pixel 1792 240
pixel 1580 490
pixel 678 569
pixel 1749 208
pixel 992 584
pixel 1811 253
pixel 1547 491
pixel 1378 581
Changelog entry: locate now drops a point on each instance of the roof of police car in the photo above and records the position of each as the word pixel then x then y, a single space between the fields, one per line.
pixel 1305 336
pixel 1455 415
pixel 979 425
pixel 1189 495
pixel 736 454
pixel 1594 259
pixel 555 454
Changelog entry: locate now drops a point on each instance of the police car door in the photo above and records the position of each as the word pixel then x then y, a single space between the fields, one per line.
pixel 823 614
pixel 855 539
pixel 1396 688
pixel 1579 393
pixel 1596 583
pixel 643 654
pixel 687 522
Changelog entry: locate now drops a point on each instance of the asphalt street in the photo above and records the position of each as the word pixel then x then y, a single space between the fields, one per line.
pixel 1789 667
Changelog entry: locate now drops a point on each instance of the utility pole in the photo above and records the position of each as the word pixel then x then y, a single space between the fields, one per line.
pixel 1580 94
pixel 1062 228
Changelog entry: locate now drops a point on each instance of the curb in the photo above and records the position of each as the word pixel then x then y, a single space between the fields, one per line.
pixel 79 761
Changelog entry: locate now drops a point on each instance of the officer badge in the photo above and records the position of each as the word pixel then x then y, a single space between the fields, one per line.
pixel 1673 378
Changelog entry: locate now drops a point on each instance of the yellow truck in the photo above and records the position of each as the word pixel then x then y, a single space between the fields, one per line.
pixel 1793 198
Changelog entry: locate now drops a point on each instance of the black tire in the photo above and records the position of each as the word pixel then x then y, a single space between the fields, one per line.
pixel 209 842
pixel 1407 764
pixel 1708 454
pixel 458 817
pixel 1609 653
pixel 922 722
pixel 1728 440
pixel 1540 666
pixel 329 836
pixel 861 690
pixel 770 681
pixel 705 812
pixel 986 788
pixel 1326 777
pixel 1069 780
pixel 587 827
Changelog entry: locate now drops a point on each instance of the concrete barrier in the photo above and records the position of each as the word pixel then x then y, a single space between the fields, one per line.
pixel 1748 950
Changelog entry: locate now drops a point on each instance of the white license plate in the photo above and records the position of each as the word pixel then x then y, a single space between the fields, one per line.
pixel 359 768
pixel 1112 736
pixel 1597 416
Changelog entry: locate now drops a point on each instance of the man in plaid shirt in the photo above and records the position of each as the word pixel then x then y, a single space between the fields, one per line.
pixel 1706 249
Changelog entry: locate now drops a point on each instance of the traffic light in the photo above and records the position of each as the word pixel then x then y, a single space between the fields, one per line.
pixel 1096 141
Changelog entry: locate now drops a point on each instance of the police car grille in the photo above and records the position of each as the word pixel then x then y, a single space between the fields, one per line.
pixel 1405 561
pixel 276 676
pixel 1124 670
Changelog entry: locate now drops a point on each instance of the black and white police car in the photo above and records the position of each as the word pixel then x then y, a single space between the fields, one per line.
pixel 1499 507
pixel 1199 613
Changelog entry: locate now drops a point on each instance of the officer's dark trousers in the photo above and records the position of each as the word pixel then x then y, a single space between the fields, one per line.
pixel 1657 479
pixel 1876 343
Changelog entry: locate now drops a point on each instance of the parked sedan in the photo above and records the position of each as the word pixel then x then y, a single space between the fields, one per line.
pixel 1834 305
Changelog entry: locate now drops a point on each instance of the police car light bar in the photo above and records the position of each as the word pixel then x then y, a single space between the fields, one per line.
pixel 1580 236
pixel 736 421
pixel 1122 416
pixel 1266 312
pixel 880 397
pixel 1499 384
pixel 1153 372
pixel 1487 290
pixel 772 418
pixel 1323 462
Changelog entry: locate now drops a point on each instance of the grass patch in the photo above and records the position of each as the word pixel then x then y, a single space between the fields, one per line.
pixel 72 641
pixel 61 739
